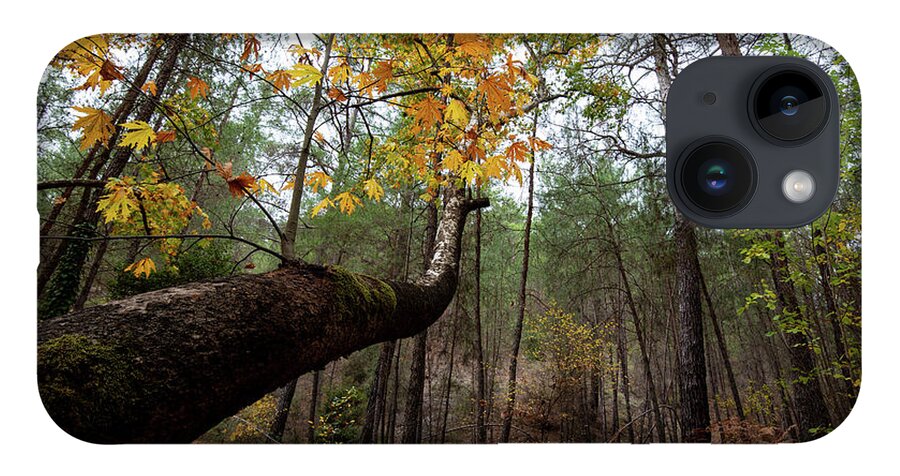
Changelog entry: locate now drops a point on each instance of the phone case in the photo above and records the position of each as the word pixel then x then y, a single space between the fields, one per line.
pixel 421 238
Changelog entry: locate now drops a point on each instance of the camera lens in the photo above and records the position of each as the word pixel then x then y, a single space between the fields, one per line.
pixel 789 105
pixel 717 176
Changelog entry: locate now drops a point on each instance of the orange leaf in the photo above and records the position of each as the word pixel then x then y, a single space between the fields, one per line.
pixel 253 69
pixel 517 151
pixel 474 46
pixel 337 95
pixel 241 184
pixel 538 144
pixel 251 46
pixel 149 87
pixel 496 91
pixel 383 72
pixel 165 136
pixel 428 111
pixel 197 87
pixel 281 79
pixel 109 72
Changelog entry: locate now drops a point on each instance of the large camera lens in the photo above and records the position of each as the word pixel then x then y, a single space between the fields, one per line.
pixel 717 176
pixel 789 105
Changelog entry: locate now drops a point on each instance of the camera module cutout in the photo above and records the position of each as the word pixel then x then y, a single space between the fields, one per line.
pixel 752 142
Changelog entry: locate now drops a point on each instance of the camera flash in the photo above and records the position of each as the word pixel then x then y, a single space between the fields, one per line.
pixel 798 186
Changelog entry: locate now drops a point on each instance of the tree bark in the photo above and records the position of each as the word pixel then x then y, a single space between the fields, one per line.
pixel 276 431
pixel 729 44
pixel 480 403
pixel 166 366
pixel 693 391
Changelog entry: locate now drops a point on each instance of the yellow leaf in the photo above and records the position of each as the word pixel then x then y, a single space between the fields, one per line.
pixel 144 266
pixel 452 160
pixel 373 190
pixel 339 73
pixel 95 125
pixel 324 204
pixel 304 75
pixel 493 167
pixel 456 113
pixel 118 204
pixel 197 87
pixel 347 202
pixel 139 135
pixel 264 186
pixel 469 171
pixel 317 180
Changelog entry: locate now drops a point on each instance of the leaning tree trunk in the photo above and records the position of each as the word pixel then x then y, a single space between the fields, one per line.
pixel 167 365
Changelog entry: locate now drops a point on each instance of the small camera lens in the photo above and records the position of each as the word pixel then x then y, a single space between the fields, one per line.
pixel 789 105
pixel 713 177
pixel 717 176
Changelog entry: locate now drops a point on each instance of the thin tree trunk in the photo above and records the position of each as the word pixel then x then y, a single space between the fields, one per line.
pixel 449 385
pixel 693 391
pixel 520 310
pixel 415 390
pixel 480 403
pixel 276 431
pixel 623 369
pixel 313 405
pixel 392 418
pixel 723 350
pixel 289 234
pixel 378 393
pixel 645 356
